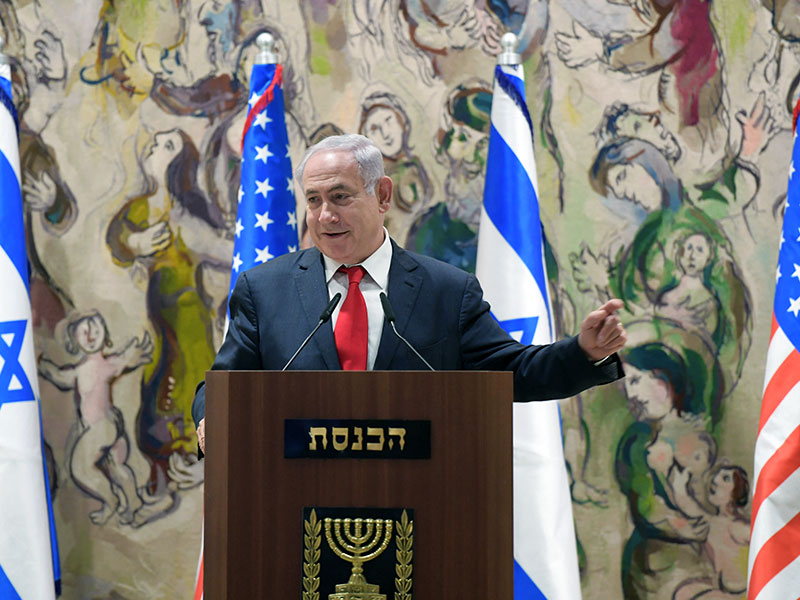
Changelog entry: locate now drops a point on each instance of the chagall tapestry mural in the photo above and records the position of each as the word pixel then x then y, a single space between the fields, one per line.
pixel 663 133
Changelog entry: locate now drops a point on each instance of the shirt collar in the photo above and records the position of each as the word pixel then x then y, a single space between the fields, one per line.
pixel 376 264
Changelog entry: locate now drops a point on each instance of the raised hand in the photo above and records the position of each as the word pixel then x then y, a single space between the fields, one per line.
pixel 602 333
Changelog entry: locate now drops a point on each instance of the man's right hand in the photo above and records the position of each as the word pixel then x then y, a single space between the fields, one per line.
pixel 201 435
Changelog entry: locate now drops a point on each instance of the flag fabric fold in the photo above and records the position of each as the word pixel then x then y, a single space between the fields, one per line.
pixel 511 270
pixel 266 224
pixel 26 538
pixel 774 559
pixel 266 216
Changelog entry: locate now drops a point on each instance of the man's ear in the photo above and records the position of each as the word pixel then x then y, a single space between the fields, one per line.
pixel 383 191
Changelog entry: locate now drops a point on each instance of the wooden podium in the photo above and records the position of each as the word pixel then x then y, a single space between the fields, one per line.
pixel 461 496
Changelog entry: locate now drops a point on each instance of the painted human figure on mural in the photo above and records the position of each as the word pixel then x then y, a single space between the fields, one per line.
pixel 719 193
pixel 50 207
pixel 640 186
pixel 727 543
pixel 215 85
pixel 680 44
pixel 668 397
pixel 448 231
pixel 385 121
pixel 422 33
pixel 164 235
pixel 221 96
pixel 99 451
pixel 777 72
pixel 691 301
pixel 127 50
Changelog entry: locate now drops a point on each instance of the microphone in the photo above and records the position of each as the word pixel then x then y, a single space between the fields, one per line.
pixel 323 318
pixel 389 313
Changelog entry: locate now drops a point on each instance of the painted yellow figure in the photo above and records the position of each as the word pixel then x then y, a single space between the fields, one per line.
pixel 170 231
pixel 131 43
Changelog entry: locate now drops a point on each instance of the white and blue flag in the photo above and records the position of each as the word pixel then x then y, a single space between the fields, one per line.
pixel 266 224
pixel 26 553
pixel 511 270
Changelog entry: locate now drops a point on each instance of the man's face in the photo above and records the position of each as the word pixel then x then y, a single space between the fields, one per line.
pixel 344 219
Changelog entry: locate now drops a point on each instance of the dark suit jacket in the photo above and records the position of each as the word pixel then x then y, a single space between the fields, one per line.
pixel 440 311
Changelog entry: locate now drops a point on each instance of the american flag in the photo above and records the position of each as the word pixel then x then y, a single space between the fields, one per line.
pixel 266 218
pixel 266 224
pixel 774 561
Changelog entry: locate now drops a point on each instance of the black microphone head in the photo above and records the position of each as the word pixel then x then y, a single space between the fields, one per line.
pixel 387 308
pixel 326 314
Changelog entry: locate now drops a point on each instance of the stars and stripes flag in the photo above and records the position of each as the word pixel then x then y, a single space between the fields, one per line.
pixel 511 270
pixel 266 218
pixel 27 536
pixel 266 224
pixel 774 560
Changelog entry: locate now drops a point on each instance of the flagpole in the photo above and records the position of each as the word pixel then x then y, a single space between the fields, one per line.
pixel 27 533
pixel 266 215
pixel 511 270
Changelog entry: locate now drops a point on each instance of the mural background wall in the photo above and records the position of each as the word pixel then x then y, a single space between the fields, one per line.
pixel 663 134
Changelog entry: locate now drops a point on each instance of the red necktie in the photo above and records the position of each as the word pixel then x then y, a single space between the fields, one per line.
pixel 351 325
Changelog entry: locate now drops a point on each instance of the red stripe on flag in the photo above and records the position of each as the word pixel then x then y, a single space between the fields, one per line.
pixel 263 101
pixel 795 114
pixel 198 589
pixel 784 462
pixel 774 556
pixel 784 379
pixel 774 328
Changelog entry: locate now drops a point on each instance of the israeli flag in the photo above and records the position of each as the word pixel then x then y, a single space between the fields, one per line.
pixel 26 555
pixel 511 271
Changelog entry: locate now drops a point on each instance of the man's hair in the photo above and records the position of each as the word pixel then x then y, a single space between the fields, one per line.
pixel 367 155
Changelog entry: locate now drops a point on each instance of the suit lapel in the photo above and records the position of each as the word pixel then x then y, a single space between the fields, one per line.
pixel 310 282
pixel 404 287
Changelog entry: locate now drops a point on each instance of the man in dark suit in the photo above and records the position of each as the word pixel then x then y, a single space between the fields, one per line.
pixel 440 309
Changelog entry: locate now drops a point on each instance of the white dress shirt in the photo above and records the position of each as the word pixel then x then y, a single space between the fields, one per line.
pixel 375 281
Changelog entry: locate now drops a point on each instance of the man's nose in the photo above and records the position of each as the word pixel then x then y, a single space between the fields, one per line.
pixel 328 214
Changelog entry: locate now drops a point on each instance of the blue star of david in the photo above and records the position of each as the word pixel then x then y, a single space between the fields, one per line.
pixel 6 589
pixel 527 325
pixel 14 384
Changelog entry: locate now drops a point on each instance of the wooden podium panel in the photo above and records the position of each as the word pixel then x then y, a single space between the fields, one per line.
pixel 461 496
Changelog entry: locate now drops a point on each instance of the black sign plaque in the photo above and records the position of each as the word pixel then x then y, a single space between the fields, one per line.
pixel 356 438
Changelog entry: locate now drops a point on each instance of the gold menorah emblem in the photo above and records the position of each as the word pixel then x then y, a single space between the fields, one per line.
pixel 358 541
